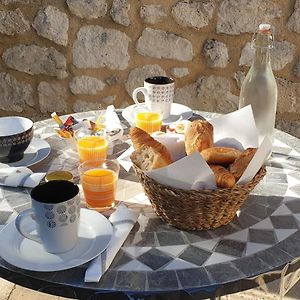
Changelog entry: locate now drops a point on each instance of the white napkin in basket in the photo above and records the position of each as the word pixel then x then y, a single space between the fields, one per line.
pixel 19 176
pixel 122 220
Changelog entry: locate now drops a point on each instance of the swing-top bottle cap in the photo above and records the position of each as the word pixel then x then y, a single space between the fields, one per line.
pixel 264 27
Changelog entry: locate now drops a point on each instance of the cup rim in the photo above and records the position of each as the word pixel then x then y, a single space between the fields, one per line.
pixel 27 122
pixel 152 80
pixel 37 189
pixel 114 161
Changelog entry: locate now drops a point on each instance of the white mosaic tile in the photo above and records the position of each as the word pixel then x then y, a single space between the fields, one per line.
pixel 216 258
pixel 179 264
pixel 207 245
pixel 136 251
pixel 281 211
pixel 255 247
pixel 4 206
pixel 173 250
pixel 264 224
pixel 282 234
pixel 134 265
pixel 239 236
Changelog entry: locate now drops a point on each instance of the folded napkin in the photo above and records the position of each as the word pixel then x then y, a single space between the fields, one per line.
pixel 113 124
pixel 19 176
pixel 123 219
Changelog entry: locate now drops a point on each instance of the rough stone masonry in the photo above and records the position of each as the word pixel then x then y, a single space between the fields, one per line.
pixel 75 55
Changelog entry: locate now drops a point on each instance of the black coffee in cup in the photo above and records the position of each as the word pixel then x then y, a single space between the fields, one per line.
pixel 55 191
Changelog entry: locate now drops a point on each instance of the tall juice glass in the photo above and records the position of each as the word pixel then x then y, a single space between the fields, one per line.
pixel 148 121
pixel 91 145
pixel 99 183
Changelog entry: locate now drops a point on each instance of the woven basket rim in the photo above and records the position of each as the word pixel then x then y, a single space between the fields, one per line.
pixel 262 170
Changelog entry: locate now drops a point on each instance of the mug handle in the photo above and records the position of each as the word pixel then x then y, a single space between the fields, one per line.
pixel 19 221
pixel 136 91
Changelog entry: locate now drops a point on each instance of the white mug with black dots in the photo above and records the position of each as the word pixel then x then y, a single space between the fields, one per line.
pixel 159 93
pixel 56 212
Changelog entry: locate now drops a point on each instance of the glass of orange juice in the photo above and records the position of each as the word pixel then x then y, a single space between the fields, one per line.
pixel 91 145
pixel 99 183
pixel 149 121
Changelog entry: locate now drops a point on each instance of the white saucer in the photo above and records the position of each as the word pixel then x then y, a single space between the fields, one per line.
pixel 178 112
pixel 95 233
pixel 37 151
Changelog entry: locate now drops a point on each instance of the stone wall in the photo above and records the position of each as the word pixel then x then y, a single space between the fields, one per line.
pixel 77 55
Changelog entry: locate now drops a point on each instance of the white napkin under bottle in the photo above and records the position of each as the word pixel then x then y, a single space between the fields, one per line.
pixel 19 176
pixel 122 220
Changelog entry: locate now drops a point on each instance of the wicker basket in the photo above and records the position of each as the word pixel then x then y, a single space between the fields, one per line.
pixel 196 210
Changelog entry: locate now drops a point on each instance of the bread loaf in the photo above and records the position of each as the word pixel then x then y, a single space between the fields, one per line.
pixel 224 179
pixel 198 136
pixel 147 158
pixel 238 167
pixel 220 155
pixel 141 138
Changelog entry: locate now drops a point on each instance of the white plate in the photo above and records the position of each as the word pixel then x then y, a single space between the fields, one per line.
pixel 37 150
pixel 178 112
pixel 95 233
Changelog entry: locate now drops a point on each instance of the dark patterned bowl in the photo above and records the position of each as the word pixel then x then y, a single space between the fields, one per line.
pixel 15 136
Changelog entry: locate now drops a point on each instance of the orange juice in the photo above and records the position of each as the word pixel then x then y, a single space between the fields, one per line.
pixel 92 147
pixel 148 121
pixel 99 187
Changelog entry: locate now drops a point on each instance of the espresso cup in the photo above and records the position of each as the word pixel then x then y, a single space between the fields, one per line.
pixel 158 93
pixel 56 212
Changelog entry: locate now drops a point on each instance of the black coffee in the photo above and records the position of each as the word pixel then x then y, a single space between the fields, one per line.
pixel 159 80
pixel 55 191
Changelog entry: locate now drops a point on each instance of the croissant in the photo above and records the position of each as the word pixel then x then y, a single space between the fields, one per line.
pixel 238 167
pixel 224 179
pixel 198 136
pixel 140 138
pixel 220 155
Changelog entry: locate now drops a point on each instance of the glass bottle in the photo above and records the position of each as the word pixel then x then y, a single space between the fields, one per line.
pixel 259 87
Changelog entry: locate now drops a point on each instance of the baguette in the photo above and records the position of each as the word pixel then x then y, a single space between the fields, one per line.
pixel 224 179
pixel 140 138
pixel 238 167
pixel 147 158
pixel 220 155
pixel 198 136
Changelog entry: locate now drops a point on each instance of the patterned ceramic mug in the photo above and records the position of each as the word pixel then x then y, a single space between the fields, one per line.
pixel 56 212
pixel 158 92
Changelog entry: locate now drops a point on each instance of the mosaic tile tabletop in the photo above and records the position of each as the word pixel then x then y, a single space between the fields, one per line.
pixel 265 234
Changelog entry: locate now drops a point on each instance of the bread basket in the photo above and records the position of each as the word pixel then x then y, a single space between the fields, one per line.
pixel 196 210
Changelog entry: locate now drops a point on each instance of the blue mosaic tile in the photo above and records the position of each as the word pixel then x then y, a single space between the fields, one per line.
pixel 193 277
pixel 231 247
pixel 284 222
pixel 166 280
pixel 195 255
pixel 262 236
pixel 131 280
pixel 170 238
pixel 154 259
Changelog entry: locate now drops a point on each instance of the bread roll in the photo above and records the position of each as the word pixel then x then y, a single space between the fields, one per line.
pixel 238 167
pixel 224 179
pixel 140 138
pixel 198 136
pixel 147 158
pixel 220 155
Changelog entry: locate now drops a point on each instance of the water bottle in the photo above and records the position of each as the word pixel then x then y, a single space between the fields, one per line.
pixel 259 87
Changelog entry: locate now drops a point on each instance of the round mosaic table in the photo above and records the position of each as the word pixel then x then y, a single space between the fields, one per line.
pixel 262 243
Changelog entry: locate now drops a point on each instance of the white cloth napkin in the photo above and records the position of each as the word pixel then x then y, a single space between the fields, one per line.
pixel 123 219
pixel 113 124
pixel 19 176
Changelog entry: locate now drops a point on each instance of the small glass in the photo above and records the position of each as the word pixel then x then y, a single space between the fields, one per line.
pixel 99 183
pixel 149 121
pixel 91 145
